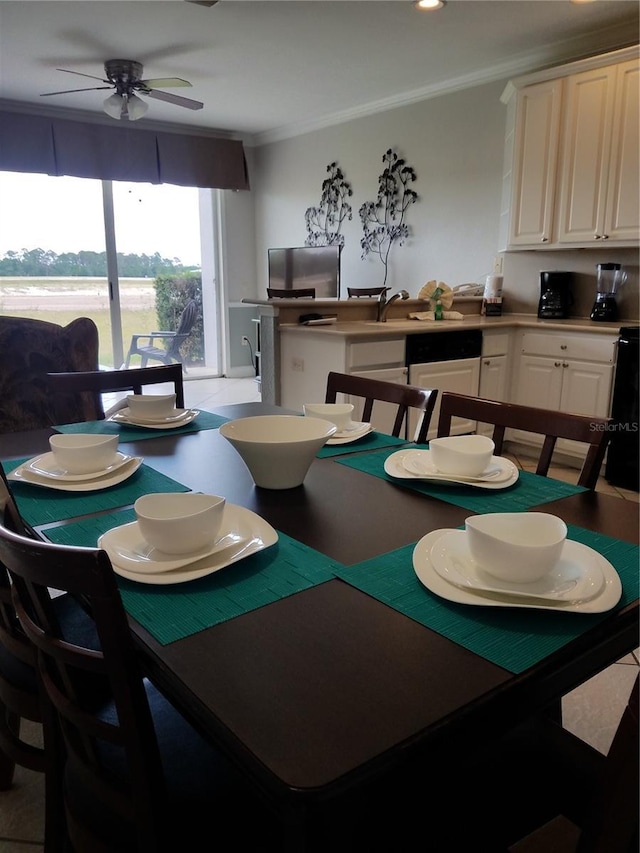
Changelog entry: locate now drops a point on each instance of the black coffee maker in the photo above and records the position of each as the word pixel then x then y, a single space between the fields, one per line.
pixel 556 297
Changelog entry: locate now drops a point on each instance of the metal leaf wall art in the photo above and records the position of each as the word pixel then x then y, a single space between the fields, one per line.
pixel 383 220
pixel 324 222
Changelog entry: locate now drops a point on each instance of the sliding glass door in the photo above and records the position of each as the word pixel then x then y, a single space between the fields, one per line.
pixel 126 255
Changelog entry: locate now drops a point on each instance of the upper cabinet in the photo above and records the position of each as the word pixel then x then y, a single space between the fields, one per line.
pixel 573 156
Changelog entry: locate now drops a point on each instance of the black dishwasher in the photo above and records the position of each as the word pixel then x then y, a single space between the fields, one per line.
pixel 428 347
pixel 622 455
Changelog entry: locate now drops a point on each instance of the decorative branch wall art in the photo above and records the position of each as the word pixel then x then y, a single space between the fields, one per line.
pixel 383 220
pixel 324 222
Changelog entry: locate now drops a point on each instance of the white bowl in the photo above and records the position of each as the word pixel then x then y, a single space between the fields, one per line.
pixel 467 455
pixel 151 406
pixel 84 453
pixel 179 522
pixel 521 547
pixel 336 413
pixel 278 449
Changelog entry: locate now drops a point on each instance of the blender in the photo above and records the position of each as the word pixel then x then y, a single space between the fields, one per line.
pixel 609 278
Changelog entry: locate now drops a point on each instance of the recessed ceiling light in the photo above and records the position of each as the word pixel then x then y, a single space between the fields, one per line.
pixel 429 4
pixel 578 2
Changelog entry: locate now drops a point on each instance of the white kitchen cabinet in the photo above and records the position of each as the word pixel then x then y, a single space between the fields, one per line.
pixel 567 373
pixel 494 371
pixel 599 179
pixel 571 161
pixel 460 375
pixel 536 142
pixel 307 357
pixel 383 414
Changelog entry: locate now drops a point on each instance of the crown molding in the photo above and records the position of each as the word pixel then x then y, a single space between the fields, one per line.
pixel 592 44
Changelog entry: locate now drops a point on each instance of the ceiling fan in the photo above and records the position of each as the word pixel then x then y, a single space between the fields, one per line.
pixel 125 76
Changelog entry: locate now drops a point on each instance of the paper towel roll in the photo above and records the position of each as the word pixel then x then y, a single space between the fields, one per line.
pixel 493 287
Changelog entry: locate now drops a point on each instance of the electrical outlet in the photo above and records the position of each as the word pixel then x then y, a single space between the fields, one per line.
pixel 297 364
pixel 245 341
pixel 497 265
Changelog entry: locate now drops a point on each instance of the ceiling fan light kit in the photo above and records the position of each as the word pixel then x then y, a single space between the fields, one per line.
pixel 125 76
pixel 127 107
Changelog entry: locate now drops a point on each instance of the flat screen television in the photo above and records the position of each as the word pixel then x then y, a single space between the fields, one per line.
pixel 306 266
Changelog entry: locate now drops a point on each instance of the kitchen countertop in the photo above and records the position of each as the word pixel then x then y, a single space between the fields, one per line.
pixel 404 326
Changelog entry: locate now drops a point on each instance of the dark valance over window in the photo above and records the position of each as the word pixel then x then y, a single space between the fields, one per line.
pixel 32 143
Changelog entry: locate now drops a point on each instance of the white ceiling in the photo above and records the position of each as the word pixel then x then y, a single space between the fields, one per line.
pixel 268 69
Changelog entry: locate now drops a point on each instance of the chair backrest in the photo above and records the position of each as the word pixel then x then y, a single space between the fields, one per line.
pixel 18 682
pixel 594 432
pixel 96 717
pixel 354 292
pixel 92 384
pixel 293 293
pixel 185 325
pixel 29 350
pixel 405 397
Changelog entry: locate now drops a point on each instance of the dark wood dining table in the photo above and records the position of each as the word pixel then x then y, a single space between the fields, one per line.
pixel 327 690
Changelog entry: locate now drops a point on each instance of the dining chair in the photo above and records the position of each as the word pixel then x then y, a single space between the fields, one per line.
pixel 404 397
pixel 130 773
pixel 557 793
pixel 91 385
pixel 594 432
pixel 355 292
pixel 292 293
pixel 29 350
pixel 169 352
pixel 20 699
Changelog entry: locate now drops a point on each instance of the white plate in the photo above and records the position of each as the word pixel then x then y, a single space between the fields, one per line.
pixel 46 466
pixel 394 467
pixel 22 474
pixel 188 416
pixel 178 415
pixel 420 462
pixel 427 575
pixel 576 577
pixel 346 436
pixel 255 534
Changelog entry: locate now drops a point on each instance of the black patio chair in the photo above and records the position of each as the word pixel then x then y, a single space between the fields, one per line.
pixel 169 352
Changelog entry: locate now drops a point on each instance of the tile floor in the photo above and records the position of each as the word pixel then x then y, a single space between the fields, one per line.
pixel 592 711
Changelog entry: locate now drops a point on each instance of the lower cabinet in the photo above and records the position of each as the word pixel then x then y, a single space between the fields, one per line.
pixel 567 373
pixel 460 375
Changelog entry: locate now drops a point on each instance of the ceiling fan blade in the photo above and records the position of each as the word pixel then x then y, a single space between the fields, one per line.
pixel 68 91
pixel 81 74
pixel 175 99
pixel 158 82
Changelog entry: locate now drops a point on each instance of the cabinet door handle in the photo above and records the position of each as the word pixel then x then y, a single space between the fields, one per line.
pixel 563 346
pixel 545 240
pixel 487 362
pixel 557 363
pixel 564 364
pixel 605 236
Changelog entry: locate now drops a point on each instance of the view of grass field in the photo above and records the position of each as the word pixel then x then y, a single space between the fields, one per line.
pixel 62 300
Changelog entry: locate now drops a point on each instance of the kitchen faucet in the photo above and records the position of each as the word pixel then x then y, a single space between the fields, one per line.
pixel 383 303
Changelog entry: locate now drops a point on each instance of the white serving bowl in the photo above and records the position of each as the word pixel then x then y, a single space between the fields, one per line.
pixel 84 453
pixel 278 449
pixel 179 522
pixel 336 413
pixel 520 547
pixel 151 406
pixel 467 455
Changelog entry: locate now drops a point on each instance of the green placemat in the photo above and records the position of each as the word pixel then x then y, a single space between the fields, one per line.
pixel 41 506
pixel 512 638
pixel 170 613
pixel 372 441
pixel 205 420
pixel 530 490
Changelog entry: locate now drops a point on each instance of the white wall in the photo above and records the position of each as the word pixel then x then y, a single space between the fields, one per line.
pixel 455 143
